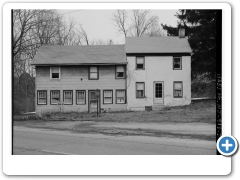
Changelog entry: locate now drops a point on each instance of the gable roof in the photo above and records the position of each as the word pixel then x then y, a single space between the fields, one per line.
pixel 157 45
pixel 73 55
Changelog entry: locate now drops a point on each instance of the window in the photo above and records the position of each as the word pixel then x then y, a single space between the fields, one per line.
pixel 81 97
pixel 55 73
pixel 67 97
pixel 120 96
pixel 55 97
pixel 42 97
pixel 177 63
pixel 107 96
pixel 93 72
pixel 120 72
pixel 177 89
pixel 140 63
pixel 140 89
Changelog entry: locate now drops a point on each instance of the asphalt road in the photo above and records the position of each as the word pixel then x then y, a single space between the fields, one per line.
pixel 29 141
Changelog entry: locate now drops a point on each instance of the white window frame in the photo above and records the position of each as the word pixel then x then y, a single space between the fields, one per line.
pixel 51 96
pixel 81 98
pixel 180 63
pixel 93 72
pixel 177 82
pixel 140 63
pixel 59 71
pixel 118 97
pixel 140 90
pixel 41 91
pixel 107 97
pixel 124 72
pixel 65 91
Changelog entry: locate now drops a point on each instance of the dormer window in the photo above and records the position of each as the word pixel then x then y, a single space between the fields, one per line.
pixel 177 63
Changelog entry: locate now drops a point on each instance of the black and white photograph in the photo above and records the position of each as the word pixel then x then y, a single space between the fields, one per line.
pixel 118 89
pixel 116 82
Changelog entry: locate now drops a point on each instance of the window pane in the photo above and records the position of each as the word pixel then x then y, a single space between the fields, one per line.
pixel 120 74
pixel 42 94
pixel 177 93
pixel 93 75
pixel 177 63
pixel 42 101
pixel 55 75
pixel 140 60
pixel 55 94
pixel 68 94
pixel 55 100
pixel 81 100
pixel 93 69
pixel 81 94
pixel 120 100
pixel 68 100
pixel 107 93
pixel 55 97
pixel 120 96
pixel 139 66
pixel 107 100
pixel 120 69
pixel 140 93
pixel 55 69
pixel 140 86
pixel 178 86
pixel 120 93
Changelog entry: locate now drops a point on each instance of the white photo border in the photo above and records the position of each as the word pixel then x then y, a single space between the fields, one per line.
pixel 115 165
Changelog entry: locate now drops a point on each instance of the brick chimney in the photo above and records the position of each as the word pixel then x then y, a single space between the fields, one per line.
pixel 181 33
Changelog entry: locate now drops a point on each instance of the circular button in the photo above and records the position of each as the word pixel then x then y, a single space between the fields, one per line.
pixel 227 145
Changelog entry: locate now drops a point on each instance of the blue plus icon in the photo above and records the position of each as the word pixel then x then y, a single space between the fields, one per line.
pixel 227 145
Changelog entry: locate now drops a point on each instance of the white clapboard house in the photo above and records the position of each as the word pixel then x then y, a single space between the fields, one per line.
pixel 146 72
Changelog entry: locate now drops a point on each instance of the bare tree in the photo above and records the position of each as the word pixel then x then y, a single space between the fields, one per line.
pixel 23 22
pixel 139 24
pixel 81 36
pixel 120 20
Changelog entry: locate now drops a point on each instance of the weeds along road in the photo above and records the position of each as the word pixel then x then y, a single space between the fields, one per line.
pixel 41 141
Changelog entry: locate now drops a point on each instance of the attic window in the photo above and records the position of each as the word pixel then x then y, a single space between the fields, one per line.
pixel 177 63
pixel 55 73
pixel 140 63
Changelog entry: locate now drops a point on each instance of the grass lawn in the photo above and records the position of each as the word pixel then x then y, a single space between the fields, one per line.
pixel 199 111
pixel 195 121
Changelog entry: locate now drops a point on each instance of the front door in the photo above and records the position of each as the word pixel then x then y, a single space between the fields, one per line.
pixel 158 92
pixel 92 102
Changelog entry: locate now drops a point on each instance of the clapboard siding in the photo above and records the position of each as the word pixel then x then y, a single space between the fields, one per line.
pixel 76 78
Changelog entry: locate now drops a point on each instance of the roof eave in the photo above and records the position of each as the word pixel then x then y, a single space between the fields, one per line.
pixel 77 64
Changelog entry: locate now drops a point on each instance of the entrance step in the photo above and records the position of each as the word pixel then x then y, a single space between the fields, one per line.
pixel 158 107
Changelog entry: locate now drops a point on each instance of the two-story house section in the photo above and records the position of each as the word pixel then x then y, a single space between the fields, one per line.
pixel 158 72
pixel 67 78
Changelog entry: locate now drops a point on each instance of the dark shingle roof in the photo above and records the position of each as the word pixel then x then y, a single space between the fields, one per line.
pixel 72 55
pixel 157 45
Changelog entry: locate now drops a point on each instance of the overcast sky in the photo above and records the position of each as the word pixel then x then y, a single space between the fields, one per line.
pixel 99 25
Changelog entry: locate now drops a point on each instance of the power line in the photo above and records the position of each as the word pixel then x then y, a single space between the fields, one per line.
pixel 69 12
